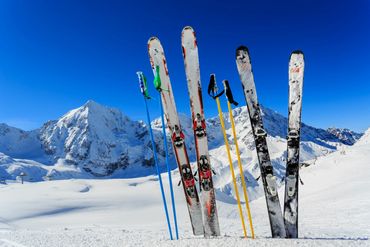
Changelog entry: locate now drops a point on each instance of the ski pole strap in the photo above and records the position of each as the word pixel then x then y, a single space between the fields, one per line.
pixel 212 87
pixel 143 85
pixel 228 93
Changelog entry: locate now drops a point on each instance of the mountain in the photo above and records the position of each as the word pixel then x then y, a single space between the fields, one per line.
pixel 92 140
pixel 98 141
pixel 19 143
pixel 345 135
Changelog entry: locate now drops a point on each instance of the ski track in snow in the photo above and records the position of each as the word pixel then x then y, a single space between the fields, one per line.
pixel 334 210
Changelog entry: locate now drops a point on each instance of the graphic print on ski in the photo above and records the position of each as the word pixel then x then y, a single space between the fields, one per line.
pixel 207 193
pixel 158 63
pixel 267 173
pixel 296 69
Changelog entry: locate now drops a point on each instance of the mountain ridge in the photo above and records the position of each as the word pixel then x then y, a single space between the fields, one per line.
pixel 98 141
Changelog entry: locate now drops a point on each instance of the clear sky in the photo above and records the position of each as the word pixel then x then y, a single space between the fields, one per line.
pixel 56 55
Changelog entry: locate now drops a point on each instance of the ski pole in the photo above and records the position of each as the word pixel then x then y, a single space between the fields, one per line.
pixel 144 91
pixel 213 92
pixel 230 100
pixel 157 84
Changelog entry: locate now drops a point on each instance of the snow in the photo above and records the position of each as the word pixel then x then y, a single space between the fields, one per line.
pixel 334 209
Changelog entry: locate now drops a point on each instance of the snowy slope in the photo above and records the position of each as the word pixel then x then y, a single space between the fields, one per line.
pixel 334 211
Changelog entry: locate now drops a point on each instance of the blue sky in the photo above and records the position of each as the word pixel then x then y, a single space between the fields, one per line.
pixel 56 55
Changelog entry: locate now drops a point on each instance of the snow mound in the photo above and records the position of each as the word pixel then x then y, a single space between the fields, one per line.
pixel 365 139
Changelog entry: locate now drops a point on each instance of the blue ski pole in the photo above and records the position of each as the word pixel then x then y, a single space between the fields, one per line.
pixel 144 91
pixel 157 84
pixel 168 168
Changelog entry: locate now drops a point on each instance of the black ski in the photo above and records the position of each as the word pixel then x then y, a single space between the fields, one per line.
pixel 296 69
pixel 267 171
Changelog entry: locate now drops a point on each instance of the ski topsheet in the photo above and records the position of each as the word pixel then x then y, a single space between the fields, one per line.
pixel 207 193
pixel 159 66
pixel 296 69
pixel 267 172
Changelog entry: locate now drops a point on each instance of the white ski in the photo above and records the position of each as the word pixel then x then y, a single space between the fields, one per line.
pixel 159 66
pixel 207 193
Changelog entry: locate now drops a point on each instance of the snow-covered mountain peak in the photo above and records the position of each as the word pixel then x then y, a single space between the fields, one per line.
pixel 93 136
pixel 346 135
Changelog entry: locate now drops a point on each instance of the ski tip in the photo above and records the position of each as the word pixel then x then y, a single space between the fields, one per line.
pixel 241 49
pixel 188 28
pixel 188 34
pixel 153 38
pixel 297 52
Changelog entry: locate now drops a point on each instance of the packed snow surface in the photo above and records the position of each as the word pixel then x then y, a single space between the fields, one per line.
pixel 334 210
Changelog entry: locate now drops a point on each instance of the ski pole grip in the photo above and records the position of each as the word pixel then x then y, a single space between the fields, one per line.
pixel 212 87
pixel 228 93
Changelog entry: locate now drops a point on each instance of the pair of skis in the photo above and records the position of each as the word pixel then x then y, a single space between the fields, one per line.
pixel 203 213
pixel 286 226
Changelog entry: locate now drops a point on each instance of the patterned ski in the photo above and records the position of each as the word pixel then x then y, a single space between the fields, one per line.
pixel 207 193
pixel 159 66
pixel 296 69
pixel 267 173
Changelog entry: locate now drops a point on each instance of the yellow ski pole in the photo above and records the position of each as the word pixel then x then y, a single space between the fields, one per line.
pixel 212 88
pixel 230 99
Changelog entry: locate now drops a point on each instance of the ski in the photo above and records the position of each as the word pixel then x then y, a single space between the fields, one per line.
pixel 267 172
pixel 163 84
pixel 207 193
pixel 296 69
